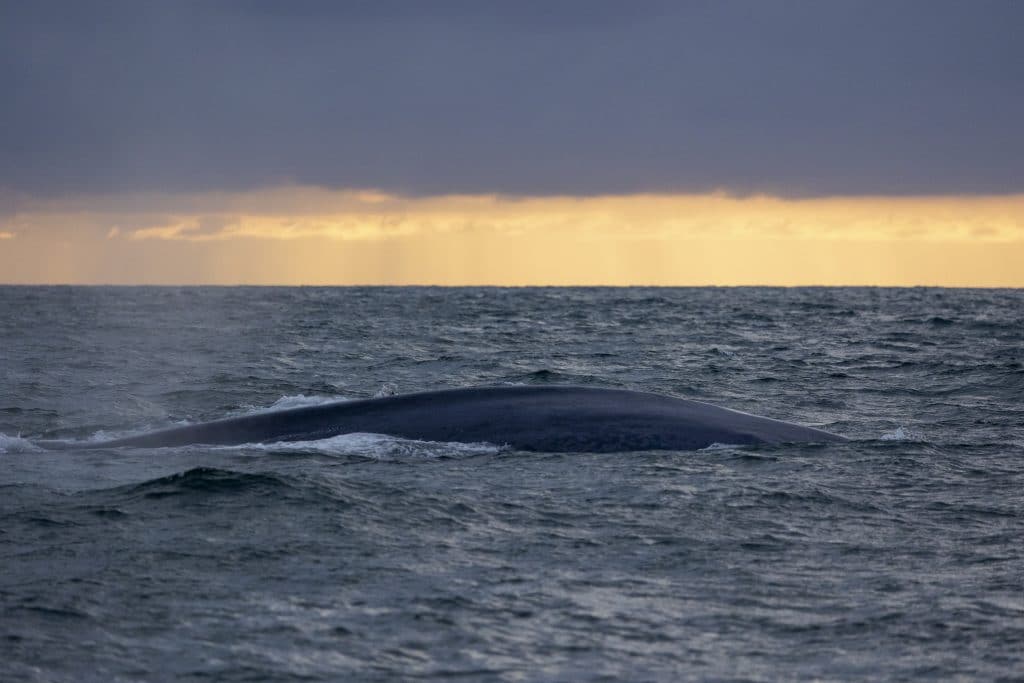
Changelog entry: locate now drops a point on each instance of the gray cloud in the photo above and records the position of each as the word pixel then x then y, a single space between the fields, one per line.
pixel 797 97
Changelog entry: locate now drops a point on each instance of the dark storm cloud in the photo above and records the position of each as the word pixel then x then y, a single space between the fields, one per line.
pixel 793 97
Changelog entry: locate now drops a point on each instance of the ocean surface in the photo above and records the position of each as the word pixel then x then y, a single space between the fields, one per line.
pixel 897 556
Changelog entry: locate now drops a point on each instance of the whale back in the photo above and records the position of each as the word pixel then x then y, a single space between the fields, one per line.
pixel 529 418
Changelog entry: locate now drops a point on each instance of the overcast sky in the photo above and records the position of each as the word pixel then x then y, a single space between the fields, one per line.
pixel 793 98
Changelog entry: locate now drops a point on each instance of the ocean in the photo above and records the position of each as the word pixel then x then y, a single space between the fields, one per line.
pixel 896 556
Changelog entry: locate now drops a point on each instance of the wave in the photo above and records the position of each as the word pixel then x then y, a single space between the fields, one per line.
pixel 290 402
pixel 207 480
pixel 374 447
pixel 902 434
pixel 16 444
pixel 199 485
pixel 716 446
pixel 545 376
pixel 227 487
pixel 303 401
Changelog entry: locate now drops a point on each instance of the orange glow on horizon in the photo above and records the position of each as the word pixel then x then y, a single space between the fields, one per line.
pixel 295 235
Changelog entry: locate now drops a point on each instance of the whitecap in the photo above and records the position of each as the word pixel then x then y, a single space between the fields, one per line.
pixel 716 446
pixel 901 434
pixel 298 401
pixel 16 444
pixel 376 447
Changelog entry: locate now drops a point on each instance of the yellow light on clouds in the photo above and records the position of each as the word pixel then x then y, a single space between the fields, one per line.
pixel 295 235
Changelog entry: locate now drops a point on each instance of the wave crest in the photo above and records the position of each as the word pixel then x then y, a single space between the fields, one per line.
pixel 377 447
pixel 16 444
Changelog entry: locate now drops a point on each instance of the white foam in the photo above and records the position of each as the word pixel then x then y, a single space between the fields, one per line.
pixel 16 444
pixel 901 434
pixel 721 446
pixel 376 447
pixel 101 435
pixel 296 401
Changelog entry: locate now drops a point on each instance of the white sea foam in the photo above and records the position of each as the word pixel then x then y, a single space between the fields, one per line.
pixel 296 401
pixel 901 434
pixel 386 389
pixel 101 435
pixel 721 446
pixel 376 446
pixel 16 444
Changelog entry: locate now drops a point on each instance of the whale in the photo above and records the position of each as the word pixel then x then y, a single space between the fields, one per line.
pixel 549 418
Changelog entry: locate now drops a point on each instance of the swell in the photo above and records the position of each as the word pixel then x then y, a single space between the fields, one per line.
pixel 216 487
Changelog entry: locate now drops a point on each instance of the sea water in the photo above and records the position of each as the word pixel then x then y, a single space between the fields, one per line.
pixel 897 556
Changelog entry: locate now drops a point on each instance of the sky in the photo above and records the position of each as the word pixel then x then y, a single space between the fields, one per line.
pixel 708 142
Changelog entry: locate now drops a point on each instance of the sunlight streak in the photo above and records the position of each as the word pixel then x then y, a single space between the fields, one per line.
pixel 296 235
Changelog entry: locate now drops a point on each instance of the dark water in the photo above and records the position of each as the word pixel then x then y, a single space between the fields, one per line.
pixel 899 556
